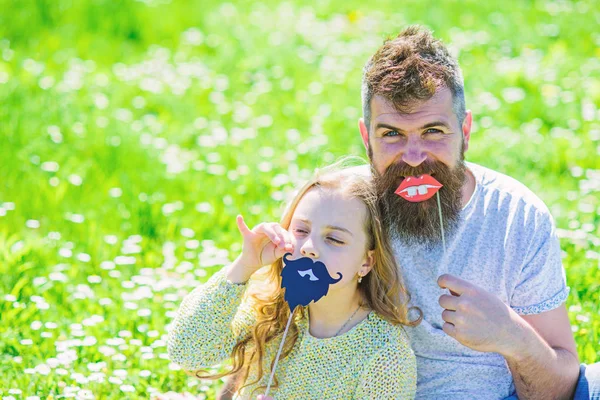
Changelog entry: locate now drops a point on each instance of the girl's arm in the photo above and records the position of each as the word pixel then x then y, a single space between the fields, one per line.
pixel 391 373
pixel 209 323
pixel 210 320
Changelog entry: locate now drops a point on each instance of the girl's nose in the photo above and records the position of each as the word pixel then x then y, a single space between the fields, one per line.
pixel 309 250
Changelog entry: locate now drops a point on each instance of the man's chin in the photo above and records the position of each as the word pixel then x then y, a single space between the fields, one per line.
pixel 425 238
pixel 425 230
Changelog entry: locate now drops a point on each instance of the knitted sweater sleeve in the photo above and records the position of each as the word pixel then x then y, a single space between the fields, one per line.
pixel 208 324
pixel 391 373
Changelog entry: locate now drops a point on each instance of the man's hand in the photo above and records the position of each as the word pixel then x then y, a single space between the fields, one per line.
pixel 539 349
pixel 476 318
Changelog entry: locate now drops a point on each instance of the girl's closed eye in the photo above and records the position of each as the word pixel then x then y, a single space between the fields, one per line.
pixel 300 231
pixel 334 240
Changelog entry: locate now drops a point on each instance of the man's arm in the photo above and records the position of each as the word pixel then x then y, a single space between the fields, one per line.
pixel 539 349
pixel 546 364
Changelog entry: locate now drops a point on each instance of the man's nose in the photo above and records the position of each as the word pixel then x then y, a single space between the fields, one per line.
pixel 414 154
pixel 309 250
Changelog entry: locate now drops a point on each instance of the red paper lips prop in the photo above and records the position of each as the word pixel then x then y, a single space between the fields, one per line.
pixel 417 189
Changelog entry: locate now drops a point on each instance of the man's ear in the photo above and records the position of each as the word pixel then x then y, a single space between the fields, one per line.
pixel 369 262
pixel 364 132
pixel 466 129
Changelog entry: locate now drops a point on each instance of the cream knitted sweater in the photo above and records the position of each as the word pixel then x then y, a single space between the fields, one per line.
pixel 373 360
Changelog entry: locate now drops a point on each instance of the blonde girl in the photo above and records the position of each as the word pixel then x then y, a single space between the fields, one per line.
pixel 350 344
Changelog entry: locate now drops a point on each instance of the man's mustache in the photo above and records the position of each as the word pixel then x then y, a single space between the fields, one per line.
pixel 402 170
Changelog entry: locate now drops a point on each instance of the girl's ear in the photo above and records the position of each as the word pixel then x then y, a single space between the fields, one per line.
pixel 368 263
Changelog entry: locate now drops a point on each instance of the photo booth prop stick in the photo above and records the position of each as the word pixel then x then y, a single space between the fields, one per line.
pixel 305 281
pixel 421 188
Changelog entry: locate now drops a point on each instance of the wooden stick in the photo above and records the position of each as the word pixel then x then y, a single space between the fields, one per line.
pixel 279 353
pixel 441 221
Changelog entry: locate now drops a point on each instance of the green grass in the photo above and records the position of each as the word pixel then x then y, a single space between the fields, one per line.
pixel 132 133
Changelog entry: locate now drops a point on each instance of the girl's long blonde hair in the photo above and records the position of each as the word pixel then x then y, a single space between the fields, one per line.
pixel 382 289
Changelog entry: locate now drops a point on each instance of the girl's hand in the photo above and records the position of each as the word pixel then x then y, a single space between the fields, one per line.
pixel 263 245
pixel 263 397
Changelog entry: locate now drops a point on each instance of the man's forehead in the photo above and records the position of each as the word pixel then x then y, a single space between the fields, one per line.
pixel 439 106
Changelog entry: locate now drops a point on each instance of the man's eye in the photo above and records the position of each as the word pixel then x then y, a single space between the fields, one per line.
pixel 433 130
pixel 334 240
pixel 391 133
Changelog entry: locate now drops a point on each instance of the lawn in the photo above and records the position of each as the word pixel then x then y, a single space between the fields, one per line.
pixel 132 133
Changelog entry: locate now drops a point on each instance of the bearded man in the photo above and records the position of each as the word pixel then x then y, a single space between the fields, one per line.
pixel 491 284
pixel 492 288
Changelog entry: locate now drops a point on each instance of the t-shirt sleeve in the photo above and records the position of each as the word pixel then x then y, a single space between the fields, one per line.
pixel 390 374
pixel 542 284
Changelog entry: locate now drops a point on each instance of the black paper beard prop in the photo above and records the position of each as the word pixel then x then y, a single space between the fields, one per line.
pixel 305 280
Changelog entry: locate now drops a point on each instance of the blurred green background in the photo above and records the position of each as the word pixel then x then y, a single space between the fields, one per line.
pixel 133 132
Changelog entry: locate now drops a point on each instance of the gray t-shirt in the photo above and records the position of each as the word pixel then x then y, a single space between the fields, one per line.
pixel 505 243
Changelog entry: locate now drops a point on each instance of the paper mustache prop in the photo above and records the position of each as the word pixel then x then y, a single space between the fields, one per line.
pixel 304 281
pixel 420 188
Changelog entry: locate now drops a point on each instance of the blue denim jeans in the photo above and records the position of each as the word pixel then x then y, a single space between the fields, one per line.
pixel 588 386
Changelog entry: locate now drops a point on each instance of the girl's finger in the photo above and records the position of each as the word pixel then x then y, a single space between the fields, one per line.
pixel 268 231
pixel 280 252
pixel 280 235
pixel 243 228
pixel 286 238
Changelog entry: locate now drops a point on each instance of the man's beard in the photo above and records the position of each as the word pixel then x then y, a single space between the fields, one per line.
pixel 419 223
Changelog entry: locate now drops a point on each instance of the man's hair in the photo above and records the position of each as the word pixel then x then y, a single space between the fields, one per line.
pixel 410 68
